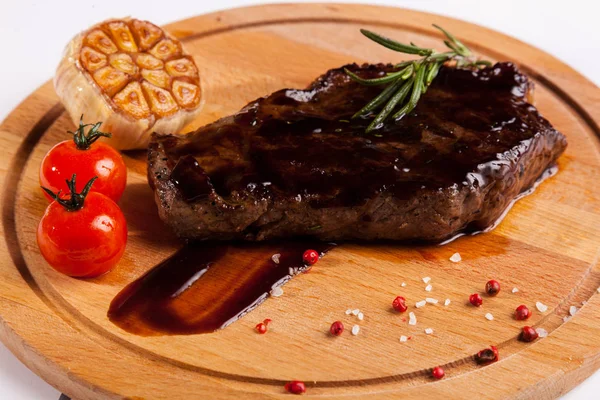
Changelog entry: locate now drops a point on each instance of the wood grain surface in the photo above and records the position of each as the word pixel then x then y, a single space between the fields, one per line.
pixel 548 247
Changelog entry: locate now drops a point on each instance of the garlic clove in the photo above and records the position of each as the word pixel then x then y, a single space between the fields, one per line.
pixel 186 94
pixel 124 63
pixel 132 101
pixel 111 80
pixel 157 77
pixel 166 49
pixel 93 60
pixel 182 67
pixel 122 36
pixel 161 101
pixel 101 42
pixel 147 34
pixel 148 61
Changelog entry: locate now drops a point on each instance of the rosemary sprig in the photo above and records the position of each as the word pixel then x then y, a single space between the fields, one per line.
pixel 412 78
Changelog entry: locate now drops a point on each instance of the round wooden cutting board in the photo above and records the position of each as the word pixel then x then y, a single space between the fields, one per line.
pixel 547 247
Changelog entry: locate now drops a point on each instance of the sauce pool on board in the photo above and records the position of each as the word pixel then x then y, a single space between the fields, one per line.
pixel 206 286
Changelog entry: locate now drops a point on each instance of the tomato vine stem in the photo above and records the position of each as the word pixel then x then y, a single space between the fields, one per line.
pixel 76 200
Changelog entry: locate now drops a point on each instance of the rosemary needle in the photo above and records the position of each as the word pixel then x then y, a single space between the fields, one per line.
pixel 412 78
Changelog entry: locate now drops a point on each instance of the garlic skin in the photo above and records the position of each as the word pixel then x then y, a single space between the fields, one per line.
pixel 132 76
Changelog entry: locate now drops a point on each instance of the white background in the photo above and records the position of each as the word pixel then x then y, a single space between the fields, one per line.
pixel 34 33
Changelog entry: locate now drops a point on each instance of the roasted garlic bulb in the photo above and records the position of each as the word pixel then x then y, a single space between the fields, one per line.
pixel 131 75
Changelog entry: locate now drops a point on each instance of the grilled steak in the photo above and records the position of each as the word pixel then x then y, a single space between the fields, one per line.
pixel 294 163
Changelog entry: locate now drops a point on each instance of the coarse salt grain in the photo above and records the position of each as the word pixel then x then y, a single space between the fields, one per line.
pixel 515 290
pixel 276 291
pixel 428 331
pixel 598 290
pixel 541 307
pixel 403 338
pixel 355 311
pixel 403 284
pixel 428 288
pixel 412 319
pixel 572 310
pixel 566 318
pixel 420 304
pixel 275 258
pixel 426 279
pixel 455 258
pixel 431 301
pixel 348 311
pixel 291 271
pixel 361 316
pixel 542 332
pixel 355 330
pixel 489 317
pixel 447 302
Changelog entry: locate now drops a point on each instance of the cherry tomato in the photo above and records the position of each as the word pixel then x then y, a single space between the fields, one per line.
pixel 88 158
pixel 83 235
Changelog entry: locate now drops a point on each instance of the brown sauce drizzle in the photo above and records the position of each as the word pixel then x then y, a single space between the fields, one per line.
pixel 206 286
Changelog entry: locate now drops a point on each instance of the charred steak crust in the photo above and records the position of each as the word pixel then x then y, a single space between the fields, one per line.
pixel 295 164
